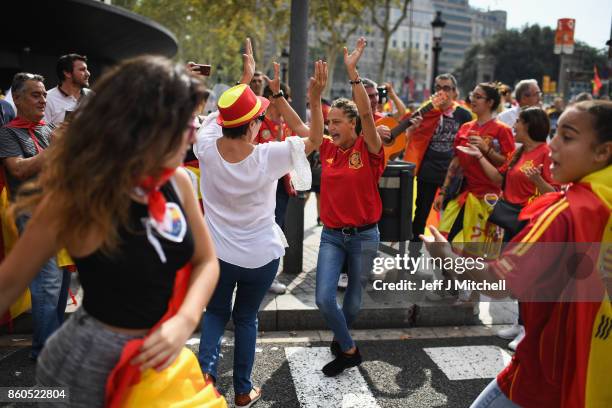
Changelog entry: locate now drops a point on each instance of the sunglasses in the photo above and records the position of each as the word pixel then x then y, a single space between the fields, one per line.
pixel 261 117
pixel 445 88
pixel 474 95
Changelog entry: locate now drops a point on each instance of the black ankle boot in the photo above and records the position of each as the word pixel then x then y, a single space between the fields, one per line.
pixel 341 363
pixel 334 347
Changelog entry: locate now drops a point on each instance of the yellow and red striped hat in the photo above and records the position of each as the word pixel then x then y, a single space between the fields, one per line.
pixel 239 105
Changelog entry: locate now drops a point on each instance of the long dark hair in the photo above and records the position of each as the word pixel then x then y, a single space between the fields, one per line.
pixel 125 132
pixel 538 127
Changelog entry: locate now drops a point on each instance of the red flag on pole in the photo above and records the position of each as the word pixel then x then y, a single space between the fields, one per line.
pixel 596 81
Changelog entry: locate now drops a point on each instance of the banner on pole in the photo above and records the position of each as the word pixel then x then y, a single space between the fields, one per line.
pixel 564 36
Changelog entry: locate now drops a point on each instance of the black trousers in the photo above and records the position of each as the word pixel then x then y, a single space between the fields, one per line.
pixel 426 193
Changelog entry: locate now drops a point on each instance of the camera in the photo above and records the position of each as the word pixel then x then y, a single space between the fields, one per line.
pixel 382 94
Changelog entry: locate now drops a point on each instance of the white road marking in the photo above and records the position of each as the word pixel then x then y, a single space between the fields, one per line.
pixel 314 390
pixel 469 362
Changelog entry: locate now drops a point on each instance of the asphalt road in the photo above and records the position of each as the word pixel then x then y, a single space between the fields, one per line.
pixel 429 372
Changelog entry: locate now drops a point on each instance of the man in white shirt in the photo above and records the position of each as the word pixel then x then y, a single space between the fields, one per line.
pixel 527 93
pixel 74 82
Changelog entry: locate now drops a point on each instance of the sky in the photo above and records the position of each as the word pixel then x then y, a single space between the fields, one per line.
pixel 593 17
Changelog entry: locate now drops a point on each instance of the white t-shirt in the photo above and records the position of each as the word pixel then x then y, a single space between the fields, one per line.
pixel 239 198
pixel 58 103
pixel 509 117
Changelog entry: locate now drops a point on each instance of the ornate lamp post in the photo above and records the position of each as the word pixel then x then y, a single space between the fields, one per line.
pixel 437 26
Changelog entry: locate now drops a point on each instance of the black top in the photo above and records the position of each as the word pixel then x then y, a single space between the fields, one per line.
pixel 131 288
pixel 440 151
pixel 17 142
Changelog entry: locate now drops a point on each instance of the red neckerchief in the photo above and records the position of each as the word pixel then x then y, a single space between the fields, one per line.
pixel 155 199
pixel 21 123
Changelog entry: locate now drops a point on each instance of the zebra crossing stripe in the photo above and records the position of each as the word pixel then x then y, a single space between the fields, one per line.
pixel 469 362
pixel 314 389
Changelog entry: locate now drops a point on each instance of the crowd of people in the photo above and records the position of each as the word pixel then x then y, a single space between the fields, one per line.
pixel 165 212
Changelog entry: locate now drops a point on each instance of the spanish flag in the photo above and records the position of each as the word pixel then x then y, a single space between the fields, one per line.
pixel 8 237
pixel 596 81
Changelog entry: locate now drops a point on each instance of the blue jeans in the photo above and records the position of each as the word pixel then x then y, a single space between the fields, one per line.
pixel 493 397
pixel 49 291
pixel 252 286
pixel 336 247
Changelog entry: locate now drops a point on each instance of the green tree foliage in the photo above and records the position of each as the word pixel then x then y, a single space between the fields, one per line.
pixel 214 32
pixel 523 54
pixel 334 22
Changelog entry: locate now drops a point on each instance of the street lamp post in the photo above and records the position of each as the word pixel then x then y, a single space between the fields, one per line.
pixel 437 25
pixel 284 59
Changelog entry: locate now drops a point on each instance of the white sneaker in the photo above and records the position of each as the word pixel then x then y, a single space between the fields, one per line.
pixel 277 288
pixel 510 332
pixel 343 281
pixel 514 343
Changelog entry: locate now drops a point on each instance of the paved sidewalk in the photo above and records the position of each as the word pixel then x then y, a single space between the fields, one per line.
pixel 296 309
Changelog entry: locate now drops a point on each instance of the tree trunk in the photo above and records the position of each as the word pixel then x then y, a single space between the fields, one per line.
pixel 383 59
pixel 331 55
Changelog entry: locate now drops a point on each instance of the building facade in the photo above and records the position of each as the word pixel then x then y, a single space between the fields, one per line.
pixel 409 57
pixel 465 26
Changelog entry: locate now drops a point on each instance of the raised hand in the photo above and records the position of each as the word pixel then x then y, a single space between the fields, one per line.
pixel 248 63
pixel 274 84
pixel 389 87
pixel 440 99
pixel 318 81
pixel 351 60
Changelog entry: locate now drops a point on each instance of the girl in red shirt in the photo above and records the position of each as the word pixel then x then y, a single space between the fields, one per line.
pixel 528 174
pixel 352 162
pixel 565 357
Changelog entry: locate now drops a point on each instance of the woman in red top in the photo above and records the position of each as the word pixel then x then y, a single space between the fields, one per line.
pixel 528 174
pixel 565 358
pixel 495 142
pixel 352 162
